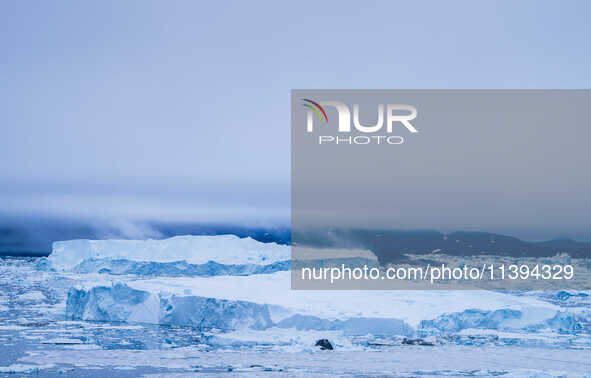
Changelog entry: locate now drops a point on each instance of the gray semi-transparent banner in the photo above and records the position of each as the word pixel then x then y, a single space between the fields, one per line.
pixel 441 189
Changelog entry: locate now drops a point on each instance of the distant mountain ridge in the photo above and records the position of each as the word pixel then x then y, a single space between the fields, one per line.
pixel 389 246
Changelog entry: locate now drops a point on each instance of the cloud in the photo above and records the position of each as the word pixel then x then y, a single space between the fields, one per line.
pixel 120 228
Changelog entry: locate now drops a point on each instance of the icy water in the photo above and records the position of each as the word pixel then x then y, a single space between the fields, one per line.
pixel 36 339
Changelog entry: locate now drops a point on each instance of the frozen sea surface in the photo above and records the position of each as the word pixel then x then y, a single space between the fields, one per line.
pixel 464 333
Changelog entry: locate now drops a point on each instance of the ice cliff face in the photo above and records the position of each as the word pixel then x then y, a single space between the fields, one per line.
pixel 176 268
pixel 121 303
pixel 502 319
pixel 116 303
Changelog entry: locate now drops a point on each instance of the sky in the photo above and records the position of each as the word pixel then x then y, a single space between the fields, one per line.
pixel 180 110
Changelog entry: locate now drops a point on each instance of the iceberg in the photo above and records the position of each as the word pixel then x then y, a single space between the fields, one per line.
pixel 501 319
pixel 265 300
pixel 194 250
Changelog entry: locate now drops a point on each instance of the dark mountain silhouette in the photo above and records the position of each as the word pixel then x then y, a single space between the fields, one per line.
pixel 389 246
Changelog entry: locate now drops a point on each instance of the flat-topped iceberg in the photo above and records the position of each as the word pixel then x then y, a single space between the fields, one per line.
pixel 265 300
pixel 194 250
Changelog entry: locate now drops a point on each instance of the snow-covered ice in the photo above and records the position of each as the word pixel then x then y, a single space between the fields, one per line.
pixel 223 305
pixel 200 249
pixel 169 296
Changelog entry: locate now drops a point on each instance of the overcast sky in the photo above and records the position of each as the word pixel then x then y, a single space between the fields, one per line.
pixel 180 110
